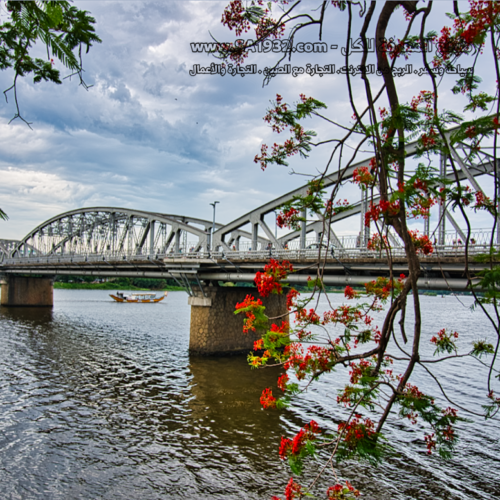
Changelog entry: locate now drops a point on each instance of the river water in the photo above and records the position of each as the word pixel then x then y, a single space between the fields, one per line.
pixel 100 400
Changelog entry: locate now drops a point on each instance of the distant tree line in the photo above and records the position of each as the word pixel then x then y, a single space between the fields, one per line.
pixel 151 283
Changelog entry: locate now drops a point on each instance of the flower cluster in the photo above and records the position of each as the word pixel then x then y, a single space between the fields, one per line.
pixel 422 242
pixel 267 400
pixel 429 139
pixel 289 218
pixel 413 392
pixel 384 207
pixel 348 396
pixel 291 298
pixel 296 446
pixel 342 492
pixel 233 17
pixel 332 209
pixel 382 287
pixel 258 345
pixel 408 45
pixel 318 359
pixel 239 19
pixel 293 490
pixel 421 207
pixel 268 281
pixel 491 395
pixel 282 117
pixel 444 341
pixel 444 433
pixel 377 243
pixel 271 342
pixel 356 430
pixel 449 45
pixel 254 311
pixel 266 284
pixel 448 432
pixel 425 97
pixel 269 28
pixel 483 202
pixel 282 381
pixel 344 315
pixel 309 317
pixel 468 32
pixel 430 442
pixel 280 152
pixel 278 332
pixel 350 293
pixel 364 367
pixel 414 403
pixel 362 177
pixel 274 116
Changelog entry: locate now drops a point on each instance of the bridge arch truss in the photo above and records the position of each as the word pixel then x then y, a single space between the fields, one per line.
pixel 113 232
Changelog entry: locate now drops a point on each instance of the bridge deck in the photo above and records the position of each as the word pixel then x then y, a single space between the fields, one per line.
pixel 443 270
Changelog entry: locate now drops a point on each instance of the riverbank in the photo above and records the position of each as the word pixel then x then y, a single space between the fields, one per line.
pixel 110 286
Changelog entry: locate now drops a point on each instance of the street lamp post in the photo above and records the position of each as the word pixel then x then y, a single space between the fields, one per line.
pixel 213 227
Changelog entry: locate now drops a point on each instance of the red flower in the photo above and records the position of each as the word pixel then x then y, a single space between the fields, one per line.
pixel 258 345
pixel 250 304
pixel 290 298
pixel 282 382
pixel 422 243
pixel 285 447
pixel 267 400
pixel 349 293
pixel 268 281
pixel 292 489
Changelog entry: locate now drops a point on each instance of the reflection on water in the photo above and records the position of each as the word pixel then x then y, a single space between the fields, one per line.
pixel 30 315
pixel 101 400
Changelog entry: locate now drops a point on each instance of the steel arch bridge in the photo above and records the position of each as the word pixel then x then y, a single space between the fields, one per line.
pixel 126 241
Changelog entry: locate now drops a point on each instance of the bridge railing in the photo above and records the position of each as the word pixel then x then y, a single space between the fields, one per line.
pixel 352 241
pixel 456 250
pixel 347 246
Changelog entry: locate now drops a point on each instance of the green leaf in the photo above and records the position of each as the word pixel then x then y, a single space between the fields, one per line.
pixel 295 464
pixel 481 347
pixel 55 13
pixel 310 448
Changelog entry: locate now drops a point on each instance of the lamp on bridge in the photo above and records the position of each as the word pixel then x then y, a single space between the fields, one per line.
pixel 213 227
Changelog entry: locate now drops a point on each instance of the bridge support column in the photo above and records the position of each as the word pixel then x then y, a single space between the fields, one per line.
pixel 216 330
pixel 18 291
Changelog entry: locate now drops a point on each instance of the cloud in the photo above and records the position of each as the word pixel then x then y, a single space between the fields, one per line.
pixel 147 135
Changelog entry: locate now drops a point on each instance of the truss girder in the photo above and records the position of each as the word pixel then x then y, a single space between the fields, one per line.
pixel 257 215
pixel 108 231
pixel 356 208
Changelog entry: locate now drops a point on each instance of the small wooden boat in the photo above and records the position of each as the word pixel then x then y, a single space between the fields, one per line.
pixel 138 298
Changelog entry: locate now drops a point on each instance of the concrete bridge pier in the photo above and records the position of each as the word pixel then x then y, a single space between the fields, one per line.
pixel 18 291
pixel 216 330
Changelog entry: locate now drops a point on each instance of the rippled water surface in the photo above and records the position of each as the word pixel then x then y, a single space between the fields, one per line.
pixel 102 400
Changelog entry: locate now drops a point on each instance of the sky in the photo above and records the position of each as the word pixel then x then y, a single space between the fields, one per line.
pixel 147 135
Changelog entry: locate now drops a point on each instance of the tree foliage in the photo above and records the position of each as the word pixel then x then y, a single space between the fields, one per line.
pixel 385 119
pixel 62 29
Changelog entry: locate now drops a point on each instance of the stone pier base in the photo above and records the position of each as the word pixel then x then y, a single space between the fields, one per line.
pixel 27 292
pixel 215 329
